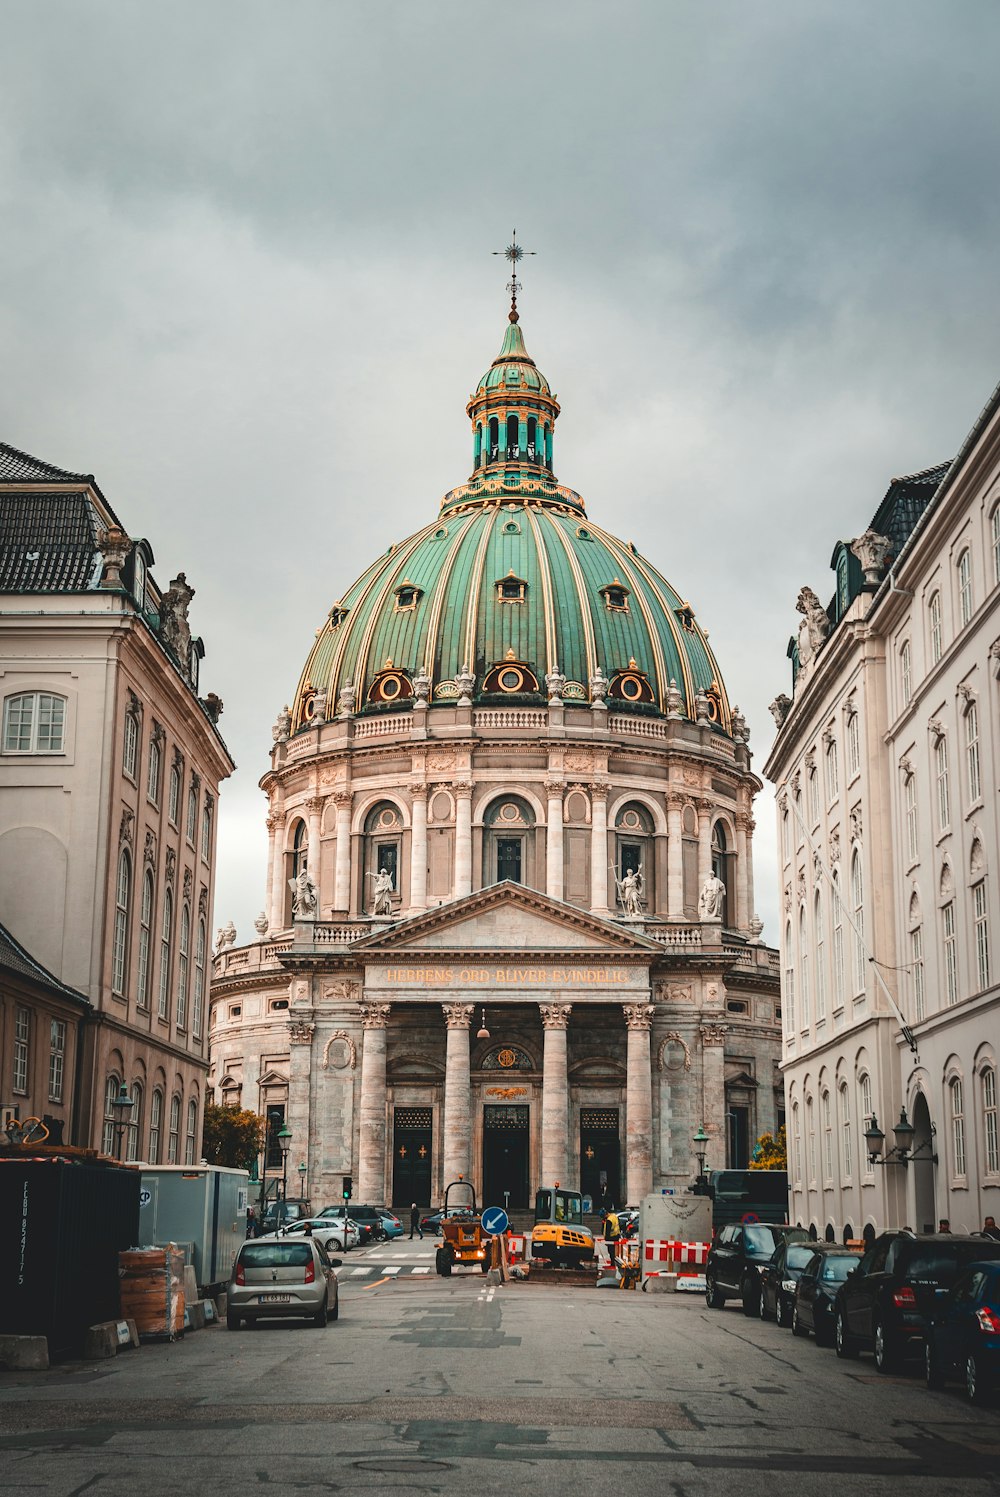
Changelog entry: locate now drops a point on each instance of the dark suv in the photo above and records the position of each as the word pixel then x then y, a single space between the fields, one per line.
pixel 368 1219
pixel 887 1302
pixel 738 1257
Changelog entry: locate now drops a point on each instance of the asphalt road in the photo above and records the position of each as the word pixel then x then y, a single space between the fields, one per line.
pixel 445 1386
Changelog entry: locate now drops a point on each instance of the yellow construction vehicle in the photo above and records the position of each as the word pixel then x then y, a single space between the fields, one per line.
pixel 463 1238
pixel 559 1236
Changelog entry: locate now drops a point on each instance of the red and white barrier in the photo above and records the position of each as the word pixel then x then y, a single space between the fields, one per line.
pixel 673 1252
pixel 515 1248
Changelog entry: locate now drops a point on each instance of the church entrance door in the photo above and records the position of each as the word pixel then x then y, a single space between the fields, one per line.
pixel 505 1157
pixel 600 1156
pixel 411 1157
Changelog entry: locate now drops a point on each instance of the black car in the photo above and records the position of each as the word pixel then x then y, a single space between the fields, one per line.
pixel 432 1221
pixel 816 1290
pixel 779 1277
pixel 887 1302
pixel 963 1338
pixel 737 1258
pixel 366 1218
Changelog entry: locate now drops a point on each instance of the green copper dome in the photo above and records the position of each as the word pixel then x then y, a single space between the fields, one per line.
pixel 512 583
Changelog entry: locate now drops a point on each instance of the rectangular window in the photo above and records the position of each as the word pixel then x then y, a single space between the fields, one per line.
pixel 206 831
pixel 22 1035
pixel 943 789
pixel 34 723
pixel 192 814
pixel 853 745
pixel 57 1059
pixel 845 1132
pixel 153 761
pixel 996 544
pixel 958 1128
pixel 950 954
pixel 935 627
pixel 965 586
pixel 832 775
pixel 982 934
pixel 973 778
pixel 910 793
pixel 905 677
pixel 917 970
pixel 812 792
pixel 827 1138
pixel 130 750
pixel 174 798
pixel 865 1109
pixel 990 1136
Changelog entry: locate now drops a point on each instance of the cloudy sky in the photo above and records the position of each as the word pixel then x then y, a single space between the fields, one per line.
pixel 245 279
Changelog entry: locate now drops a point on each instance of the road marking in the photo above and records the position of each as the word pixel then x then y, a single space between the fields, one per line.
pixel 376 1284
pixel 426 1268
pixel 359 1273
pixel 395 1269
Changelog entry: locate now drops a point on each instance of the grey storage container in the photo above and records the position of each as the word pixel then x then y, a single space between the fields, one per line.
pixel 203 1204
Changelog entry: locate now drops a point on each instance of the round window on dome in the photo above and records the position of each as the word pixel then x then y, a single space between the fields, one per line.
pixel 631 688
pixel 511 679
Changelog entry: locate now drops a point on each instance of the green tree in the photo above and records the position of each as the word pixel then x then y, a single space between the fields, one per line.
pixel 771 1151
pixel 232 1136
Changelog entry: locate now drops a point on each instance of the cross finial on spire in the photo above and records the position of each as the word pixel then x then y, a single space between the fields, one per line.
pixel 513 253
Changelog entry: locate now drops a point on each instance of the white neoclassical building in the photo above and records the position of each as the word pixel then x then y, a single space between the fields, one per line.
pixel 509 927
pixel 887 767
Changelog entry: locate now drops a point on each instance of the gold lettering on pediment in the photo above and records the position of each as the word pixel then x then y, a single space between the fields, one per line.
pixel 507 976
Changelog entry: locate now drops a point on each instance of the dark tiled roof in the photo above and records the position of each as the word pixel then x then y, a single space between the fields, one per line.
pixel 21 467
pixel 14 958
pixel 48 543
pixel 904 503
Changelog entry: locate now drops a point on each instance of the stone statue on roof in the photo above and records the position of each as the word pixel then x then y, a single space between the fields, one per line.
pixel 814 628
pixel 174 628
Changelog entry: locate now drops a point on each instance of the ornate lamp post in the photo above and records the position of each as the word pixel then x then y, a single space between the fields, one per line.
pixel 302 1180
pixel 284 1140
pixel 700 1141
pixel 121 1108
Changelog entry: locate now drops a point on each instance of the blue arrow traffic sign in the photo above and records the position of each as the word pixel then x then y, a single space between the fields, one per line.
pixel 495 1220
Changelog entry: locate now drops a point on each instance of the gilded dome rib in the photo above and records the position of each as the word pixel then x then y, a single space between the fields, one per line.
pixel 475 585
pixel 440 593
pixel 586 617
pixel 548 614
pixel 399 557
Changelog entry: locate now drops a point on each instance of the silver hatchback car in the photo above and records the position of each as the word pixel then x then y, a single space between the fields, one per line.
pixel 281 1278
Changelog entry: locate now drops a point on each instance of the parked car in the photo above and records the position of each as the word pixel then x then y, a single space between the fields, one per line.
pixel 887 1302
pixel 737 1258
pixel 816 1290
pixel 329 1232
pixel 276 1278
pixel 779 1277
pixel 963 1338
pixel 432 1221
pixel 391 1224
pixel 277 1213
pixel 366 1219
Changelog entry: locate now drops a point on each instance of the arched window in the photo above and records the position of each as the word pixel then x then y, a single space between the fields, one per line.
pixel 512 438
pixel 865 1116
pixel 198 1003
pixel 973 779
pixel 477 453
pixel 174 1136
pixel 858 901
pixel 991 1137
pixel 788 986
pixel 832 771
pixel 949 951
pixel 153 763
pixel 820 939
pixel 853 745
pixel 130 747
pixel 532 440
pixel 133 1146
pixel 206 829
pixel 34 723
pixel 917 959
pixel 811 1141
pixel 905 672
pixel 123 899
pixel 166 937
pixel 943 785
pixel 192 812
pixel 634 849
pixel 383 851
pixel 796 1161
pixel 145 934
pixel 509 844
pixel 812 796
pixel 934 625
pixel 786 841
pixel 965 587
pixel 838 943
pixel 827 1116
pixel 910 807
pixel 192 1131
pixel 183 950
pixel 981 933
pixel 494 439
pixel 957 1104
pixel 845 1131
pixel 995 533
pixel 803 970
pixel 111 1089
pixel 722 867
pixel 155 1124
pixel 174 796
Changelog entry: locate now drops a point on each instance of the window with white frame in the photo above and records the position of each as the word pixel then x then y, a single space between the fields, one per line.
pixel 995 534
pixel 905 672
pixel 206 830
pixel 827 1116
pixel 973 777
pixel 174 1135
pixel 982 934
pixel 943 786
pixel 853 746
pixel 155 1125
pixel 788 987
pixel 991 1137
pixel 965 587
pixel 192 1129
pixel 838 944
pixel 123 897
pixel 934 622
pixel 174 795
pixel 858 901
pixel 192 813
pixel 949 951
pixel 820 933
pixel 166 936
pixel 22 1041
pixel 796 1143
pixel 811 1139
pixel 803 971
pixel 198 1000
pixel 183 950
pixel 957 1102
pixel 910 807
pixel 865 1115
pixel 133 1138
pixel 57 1058
pixel 154 762
pixel 145 936
pixel 832 771
pixel 34 722
pixel 786 844
pixel 845 1130
pixel 111 1090
pixel 130 746
pixel 917 971
pixel 812 796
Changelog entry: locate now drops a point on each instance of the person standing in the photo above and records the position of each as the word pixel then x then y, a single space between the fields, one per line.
pixel 990 1229
pixel 415 1222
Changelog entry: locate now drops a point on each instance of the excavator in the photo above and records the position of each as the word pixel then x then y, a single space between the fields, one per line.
pixel 559 1236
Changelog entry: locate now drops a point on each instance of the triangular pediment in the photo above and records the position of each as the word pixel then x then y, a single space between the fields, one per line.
pixel 513 917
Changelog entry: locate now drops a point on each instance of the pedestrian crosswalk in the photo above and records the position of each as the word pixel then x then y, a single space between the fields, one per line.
pixel 385 1270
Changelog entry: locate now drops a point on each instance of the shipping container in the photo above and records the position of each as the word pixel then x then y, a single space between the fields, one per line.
pixel 203 1204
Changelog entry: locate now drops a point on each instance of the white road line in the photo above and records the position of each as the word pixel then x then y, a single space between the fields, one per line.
pixel 425 1268
pixel 360 1273
pixel 391 1269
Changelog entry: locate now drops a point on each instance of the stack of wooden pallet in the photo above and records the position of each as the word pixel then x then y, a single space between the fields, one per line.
pixel 152 1288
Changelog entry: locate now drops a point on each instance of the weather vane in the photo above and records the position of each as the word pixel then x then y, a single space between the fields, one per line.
pixel 513 253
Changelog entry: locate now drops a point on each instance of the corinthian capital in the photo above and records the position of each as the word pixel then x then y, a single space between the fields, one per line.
pixel 713 1034
pixel 638 1015
pixel 374 1015
pixel 458 1015
pixel 300 1033
pixel 555 1015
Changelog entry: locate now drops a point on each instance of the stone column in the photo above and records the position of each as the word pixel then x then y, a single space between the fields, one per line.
pixel 418 850
pixel 554 840
pixel 713 1091
pixel 743 823
pixel 342 877
pixel 314 808
pixel 555 1093
pixel 371 1151
pixel 457 1092
pixel 675 856
pixel 599 848
pixel 638 1103
pixel 300 1035
pixel 463 839
pixel 276 897
pixel 705 809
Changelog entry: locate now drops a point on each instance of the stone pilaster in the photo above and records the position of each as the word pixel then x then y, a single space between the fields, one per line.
pixel 713 1091
pixel 276 897
pixel 457 1091
pixel 371 1149
pixel 300 1038
pixel 463 839
pixel 744 824
pixel 554 839
pixel 342 876
pixel 314 811
pixel 675 856
pixel 705 809
pixel 555 1092
pixel 599 848
pixel 418 850
pixel 638 1103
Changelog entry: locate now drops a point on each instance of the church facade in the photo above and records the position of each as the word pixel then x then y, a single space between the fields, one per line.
pixel 509 929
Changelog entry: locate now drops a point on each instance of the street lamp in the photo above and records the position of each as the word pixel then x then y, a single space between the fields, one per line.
pixel 902 1151
pixel 302 1181
pixel 121 1107
pixel 700 1140
pixel 284 1140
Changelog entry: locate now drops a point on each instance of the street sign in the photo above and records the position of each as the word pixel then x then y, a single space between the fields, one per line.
pixel 145 1196
pixel 495 1220
pixel 748 1217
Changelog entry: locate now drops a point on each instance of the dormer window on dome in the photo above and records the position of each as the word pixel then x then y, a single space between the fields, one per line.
pixel 511 589
pixel 615 596
pixel 686 615
pixel 408 595
pixel 390 685
pixel 631 685
pixel 338 614
pixel 511 676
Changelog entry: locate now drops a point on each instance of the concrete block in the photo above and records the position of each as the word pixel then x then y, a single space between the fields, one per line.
pixel 664 1283
pixel 493 1276
pixel 101 1341
pixel 208 1307
pixel 195 1316
pixel 190 1284
pixel 24 1353
pixel 133 1333
pixel 221 1304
